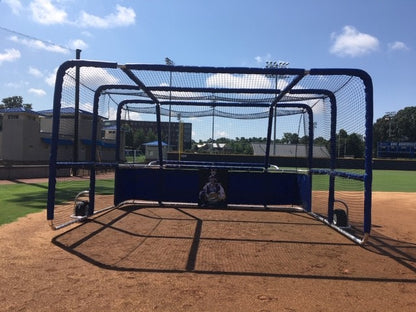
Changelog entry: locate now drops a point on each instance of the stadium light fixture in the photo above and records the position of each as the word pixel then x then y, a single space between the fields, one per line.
pixel 168 61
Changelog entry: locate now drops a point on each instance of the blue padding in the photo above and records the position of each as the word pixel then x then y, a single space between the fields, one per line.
pixel 180 186
pixel 263 188
pixel 305 190
pixel 156 185
pixel 175 185
pixel 136 184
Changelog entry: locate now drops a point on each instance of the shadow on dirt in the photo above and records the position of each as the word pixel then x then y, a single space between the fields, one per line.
pixel 268 244
pixel 402 252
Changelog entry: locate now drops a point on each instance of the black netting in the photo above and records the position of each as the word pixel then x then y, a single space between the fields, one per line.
pixel 213 111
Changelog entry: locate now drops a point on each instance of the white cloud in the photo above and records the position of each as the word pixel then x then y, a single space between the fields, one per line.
pixel 44 12
pixel 48 12
pixel 351 42
pixel 123 17
pixel 17 85
pixel 40 45
pixel 133 116
pixel 9 55
pixel 77 44
pixel 234 81
pixel 35 72
pixel 398 46
pixel 14 5
pixel 176 94
pixel 111 113
pixel 38 92
pixel 263 59
pixel 221 134
pixel 91 77
pixel 86 33
pixel 50 79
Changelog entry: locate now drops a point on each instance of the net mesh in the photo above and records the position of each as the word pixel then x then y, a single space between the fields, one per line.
pixel 225 111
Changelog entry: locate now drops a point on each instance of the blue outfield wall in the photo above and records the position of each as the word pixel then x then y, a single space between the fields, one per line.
pixel 396 149
pixel 344 163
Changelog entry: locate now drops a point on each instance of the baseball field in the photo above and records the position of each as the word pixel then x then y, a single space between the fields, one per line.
pixel 147 258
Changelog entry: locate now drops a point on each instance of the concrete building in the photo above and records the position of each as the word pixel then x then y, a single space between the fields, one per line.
pixel 20 136
pixel 25 136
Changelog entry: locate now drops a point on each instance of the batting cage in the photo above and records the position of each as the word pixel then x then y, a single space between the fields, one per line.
pixel 213 138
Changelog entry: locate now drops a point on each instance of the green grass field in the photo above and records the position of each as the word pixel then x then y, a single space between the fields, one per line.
pixel 383 181
pixel 394 181
pixel 17 200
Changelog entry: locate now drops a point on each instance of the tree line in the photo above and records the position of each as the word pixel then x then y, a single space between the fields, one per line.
pixel 348 144
pixel 396 127
pixel 14 102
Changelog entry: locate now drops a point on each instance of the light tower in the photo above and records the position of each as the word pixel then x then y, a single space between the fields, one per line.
pixel 274 64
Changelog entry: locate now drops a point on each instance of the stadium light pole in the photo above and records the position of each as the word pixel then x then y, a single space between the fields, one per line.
pixel 274 64
pixel 180 137
pixel 169 62
pixel 389 116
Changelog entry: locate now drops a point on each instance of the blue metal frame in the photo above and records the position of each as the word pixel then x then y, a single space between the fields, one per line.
pixel 56 121
pixel 297 76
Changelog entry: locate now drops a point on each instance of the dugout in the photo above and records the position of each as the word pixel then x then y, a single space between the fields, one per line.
pixel 222 103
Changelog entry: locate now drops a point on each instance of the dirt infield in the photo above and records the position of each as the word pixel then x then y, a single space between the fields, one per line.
pixel 182 259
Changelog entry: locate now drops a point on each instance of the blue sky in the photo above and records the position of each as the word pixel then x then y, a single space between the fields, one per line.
pixel 374 35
